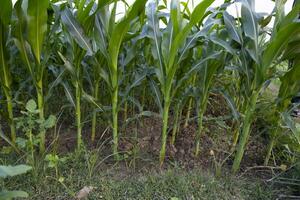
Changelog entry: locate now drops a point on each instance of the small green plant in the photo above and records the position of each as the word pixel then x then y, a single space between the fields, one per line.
pixel 9 171
pixel 53 162
pixel 218 163
pixel 30 123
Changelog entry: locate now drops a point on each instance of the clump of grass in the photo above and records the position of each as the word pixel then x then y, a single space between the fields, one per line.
pixel 170 184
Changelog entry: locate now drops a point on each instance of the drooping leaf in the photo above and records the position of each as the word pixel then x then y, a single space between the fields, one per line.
pixel 231 104
pixel 6 171
pixel 157 95
pixel 76 30
pixel 7 195
pixel 278 43
pixel 223 44
pixel 231 27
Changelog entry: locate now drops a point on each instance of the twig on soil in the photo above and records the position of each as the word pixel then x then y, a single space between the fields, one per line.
pixel 269 180
pixel 260 167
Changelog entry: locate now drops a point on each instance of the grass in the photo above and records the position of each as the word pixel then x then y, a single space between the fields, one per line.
pixel 117 183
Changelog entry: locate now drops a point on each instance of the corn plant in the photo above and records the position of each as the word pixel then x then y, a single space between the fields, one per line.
pixel 77 31
pixel 5 75
pixel 166 52
pixel 255 60
pixel 117 34
pixel 290 83
pixel 30 31
pixel 290 86
pixel 206 78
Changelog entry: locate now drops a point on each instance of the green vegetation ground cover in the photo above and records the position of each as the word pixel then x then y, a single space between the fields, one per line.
pixel 119 183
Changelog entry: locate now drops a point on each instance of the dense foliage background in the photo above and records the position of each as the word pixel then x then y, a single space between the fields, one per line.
pixel 165 81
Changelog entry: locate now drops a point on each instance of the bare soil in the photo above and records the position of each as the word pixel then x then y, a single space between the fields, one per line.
pixel 140 143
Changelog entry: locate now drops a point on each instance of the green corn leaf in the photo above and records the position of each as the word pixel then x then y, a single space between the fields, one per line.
pixel 5 76
pixel 249 19
pixel 278 43
pixel 290 123
pixel 290 86
pixel 20 42
pixel 5 16
pixel 175 16
pixel 222 43
pixel 5 12
pixel 37 25
pixel 76 30
pixel 291 16
pixel 92 100
pixel 120 30
pixel 231 27
pixel 84 13
pixel 195 68
pixel 102 3
pixel 99 36
pixel 250 24
pixel 196 17
pixel 231 104
pixel 155 34
pixel 157 95
pixel 69 95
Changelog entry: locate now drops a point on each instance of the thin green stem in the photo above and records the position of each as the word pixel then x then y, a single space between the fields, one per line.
pixel 164 130
pixel 188 113
pixel 201 111
pixel 115 122
pixel 94 117
pixel 198 133
pixel 236 134
pixel 78 115
pixel 269 150
pixel 190 104
pixel 245 131
pixel 175 125
pixel 40 98
pixel 31 147
pixel 11 119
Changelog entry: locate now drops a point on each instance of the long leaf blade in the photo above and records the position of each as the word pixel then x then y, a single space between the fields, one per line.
pixel 37 25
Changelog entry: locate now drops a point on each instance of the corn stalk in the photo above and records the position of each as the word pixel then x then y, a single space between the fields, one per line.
pixel 5 75
pixel 255 60
pixel 166 53
pixel 31 29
